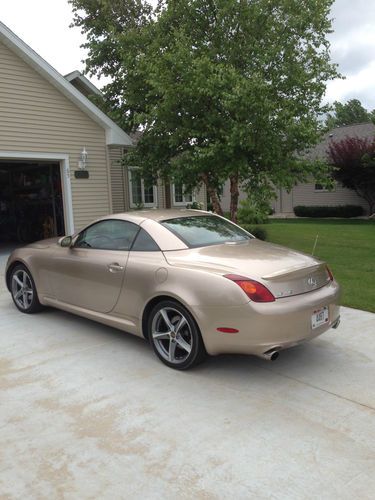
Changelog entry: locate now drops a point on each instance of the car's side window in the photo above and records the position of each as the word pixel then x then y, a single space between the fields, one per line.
pixel 108 235
pixel 144 243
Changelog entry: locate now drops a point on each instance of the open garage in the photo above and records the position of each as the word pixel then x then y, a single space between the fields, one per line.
pixel 56 148
pixel 31 205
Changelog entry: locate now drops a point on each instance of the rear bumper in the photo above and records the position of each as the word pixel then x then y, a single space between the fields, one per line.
pixel 261 327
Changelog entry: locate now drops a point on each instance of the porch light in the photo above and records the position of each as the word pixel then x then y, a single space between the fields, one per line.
pixel 82 164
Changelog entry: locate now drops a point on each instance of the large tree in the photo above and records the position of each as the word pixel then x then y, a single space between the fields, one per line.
pixel 353 159
pixel 348 113
pixel 220 88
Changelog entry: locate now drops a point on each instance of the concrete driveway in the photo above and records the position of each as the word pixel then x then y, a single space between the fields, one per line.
pixel 89 413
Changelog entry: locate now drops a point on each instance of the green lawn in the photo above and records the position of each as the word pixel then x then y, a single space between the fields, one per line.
pixel 348 246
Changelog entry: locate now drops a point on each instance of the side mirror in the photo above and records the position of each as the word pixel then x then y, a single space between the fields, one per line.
pixel 65 241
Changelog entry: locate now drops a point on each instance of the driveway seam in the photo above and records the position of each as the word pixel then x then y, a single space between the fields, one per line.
pixel 321 389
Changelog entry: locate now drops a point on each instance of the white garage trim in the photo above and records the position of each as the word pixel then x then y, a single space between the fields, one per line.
pixel 65 178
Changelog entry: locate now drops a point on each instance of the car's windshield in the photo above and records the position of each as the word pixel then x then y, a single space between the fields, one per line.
pixel 204 230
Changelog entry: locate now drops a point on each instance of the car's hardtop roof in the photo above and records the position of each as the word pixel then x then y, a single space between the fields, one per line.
pixel 158 215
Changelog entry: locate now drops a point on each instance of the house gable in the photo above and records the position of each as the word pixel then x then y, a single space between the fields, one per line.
pixel 114 134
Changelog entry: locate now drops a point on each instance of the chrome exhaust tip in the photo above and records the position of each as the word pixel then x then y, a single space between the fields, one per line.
pixel 336 323
pixel 271 355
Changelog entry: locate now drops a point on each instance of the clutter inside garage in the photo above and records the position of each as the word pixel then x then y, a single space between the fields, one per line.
pixel 31 201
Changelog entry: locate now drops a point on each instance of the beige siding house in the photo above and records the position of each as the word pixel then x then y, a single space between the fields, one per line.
pixel 130 192
pixel 60 155
pixel 46 121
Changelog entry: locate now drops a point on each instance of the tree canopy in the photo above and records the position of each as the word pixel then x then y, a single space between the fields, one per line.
pixel 353 159
pixel 220 88
pixel 348 113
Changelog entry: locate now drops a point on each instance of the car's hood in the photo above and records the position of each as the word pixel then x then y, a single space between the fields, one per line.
pixel 44 243
pixel 286 271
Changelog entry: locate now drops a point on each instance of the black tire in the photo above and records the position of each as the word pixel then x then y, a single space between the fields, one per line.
pixel 27 300
pixel 184 338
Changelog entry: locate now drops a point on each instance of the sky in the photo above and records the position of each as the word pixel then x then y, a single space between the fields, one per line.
pixel 44 25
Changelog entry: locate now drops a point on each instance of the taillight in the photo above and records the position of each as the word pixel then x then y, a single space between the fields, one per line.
pixel 254 290
pixel 329 273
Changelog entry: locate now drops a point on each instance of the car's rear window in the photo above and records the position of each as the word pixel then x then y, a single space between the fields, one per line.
pixel 204 230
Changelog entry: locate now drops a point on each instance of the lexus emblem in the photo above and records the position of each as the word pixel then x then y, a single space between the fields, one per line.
pixel 312 281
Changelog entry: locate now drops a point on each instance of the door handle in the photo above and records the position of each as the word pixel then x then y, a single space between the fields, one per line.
pixel 115 268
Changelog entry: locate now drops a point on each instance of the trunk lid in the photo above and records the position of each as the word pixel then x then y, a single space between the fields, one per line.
pixel 285 272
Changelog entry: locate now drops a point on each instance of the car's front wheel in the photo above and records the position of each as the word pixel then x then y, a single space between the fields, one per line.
pixel 23 290
pixel 175 336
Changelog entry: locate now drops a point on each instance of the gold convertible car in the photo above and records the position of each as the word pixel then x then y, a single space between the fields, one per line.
pixel 189 281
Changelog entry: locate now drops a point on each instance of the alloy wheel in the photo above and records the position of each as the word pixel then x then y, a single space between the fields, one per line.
pixel 171 334
pixel 22 289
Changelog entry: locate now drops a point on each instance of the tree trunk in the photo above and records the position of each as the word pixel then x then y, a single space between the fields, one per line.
pixel 214 200
pixel 234 196
pixel 368 197
pixel 371 202
pixel 212 193
pixel 372 207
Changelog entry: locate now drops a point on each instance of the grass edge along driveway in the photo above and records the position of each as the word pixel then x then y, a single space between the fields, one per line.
pixel 347 245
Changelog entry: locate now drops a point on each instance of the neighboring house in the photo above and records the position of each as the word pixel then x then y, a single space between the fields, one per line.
pixel 60 155
pixel 312 193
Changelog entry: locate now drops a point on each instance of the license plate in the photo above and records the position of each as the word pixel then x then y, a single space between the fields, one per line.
pixel 319 317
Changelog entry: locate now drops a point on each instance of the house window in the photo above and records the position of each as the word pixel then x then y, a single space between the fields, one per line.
pixel 180 197
pixel 322 189
pixel 142 193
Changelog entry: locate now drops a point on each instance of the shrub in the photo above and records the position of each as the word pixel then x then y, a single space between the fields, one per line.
pixel 251 213
pixel 344 211
pixel 195 205
pixel 258 232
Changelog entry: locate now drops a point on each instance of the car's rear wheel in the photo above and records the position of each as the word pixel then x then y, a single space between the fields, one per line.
pixel 23 290
pixel 175 336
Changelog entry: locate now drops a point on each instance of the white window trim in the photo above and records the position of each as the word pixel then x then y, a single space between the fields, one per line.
pixel 184 202
pixel 65 179
pixel 155 192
